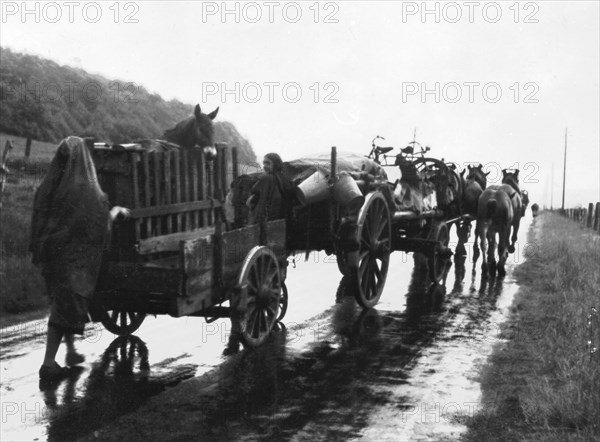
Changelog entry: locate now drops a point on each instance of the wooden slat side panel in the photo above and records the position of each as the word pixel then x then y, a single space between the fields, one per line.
pixel 147 196
pixel 177 196
pixel 203 187
pixel 171 242
pixel 217 173
pixel 134 277
pixel 157 163
pixel 224 172
pixel 237 243
pixel 168 219
pixel 197 255
pixel 196 180
pixel 185 180
pixel 234 163
pixel 135 159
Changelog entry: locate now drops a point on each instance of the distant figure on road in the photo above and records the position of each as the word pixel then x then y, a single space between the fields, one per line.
pixel 534 210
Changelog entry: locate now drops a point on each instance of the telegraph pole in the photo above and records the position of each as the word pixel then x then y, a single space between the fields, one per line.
pixel 564 172
pixel 552 188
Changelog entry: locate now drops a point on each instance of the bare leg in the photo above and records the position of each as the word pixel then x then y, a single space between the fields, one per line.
pixel 52 343
pixel 69 340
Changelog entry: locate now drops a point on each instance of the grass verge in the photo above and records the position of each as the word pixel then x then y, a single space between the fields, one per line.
pixel 543 384
pixel 21 284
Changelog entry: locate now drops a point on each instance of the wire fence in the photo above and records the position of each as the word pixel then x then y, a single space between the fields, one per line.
pixel 587 217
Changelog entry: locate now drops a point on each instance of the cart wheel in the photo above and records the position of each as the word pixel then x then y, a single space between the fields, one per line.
pixel 374 236
pixel 122 322
pixel 283 302
pixel 260 281
pixel 441 253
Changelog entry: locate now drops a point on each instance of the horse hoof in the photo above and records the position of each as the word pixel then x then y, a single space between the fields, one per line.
pixel 511 249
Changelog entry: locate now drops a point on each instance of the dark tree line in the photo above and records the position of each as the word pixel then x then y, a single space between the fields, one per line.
pixel 41 99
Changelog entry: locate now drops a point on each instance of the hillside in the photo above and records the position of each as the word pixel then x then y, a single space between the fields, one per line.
pixel 41 99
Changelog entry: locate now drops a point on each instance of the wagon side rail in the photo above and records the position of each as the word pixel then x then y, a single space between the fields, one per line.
pixel 174 196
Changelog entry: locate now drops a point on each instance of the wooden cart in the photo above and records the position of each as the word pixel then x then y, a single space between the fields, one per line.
pixel 363 240
pixel 173 255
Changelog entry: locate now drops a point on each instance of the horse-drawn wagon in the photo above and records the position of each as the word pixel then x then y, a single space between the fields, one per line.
pixel 173 255
pixel 177 254
pixel 412 215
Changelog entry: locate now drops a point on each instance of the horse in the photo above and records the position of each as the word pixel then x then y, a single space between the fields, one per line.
pixel 473 186
pixel 499 209
pixel 196 130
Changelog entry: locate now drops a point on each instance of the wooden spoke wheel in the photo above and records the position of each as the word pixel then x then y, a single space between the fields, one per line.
pixel 283 302
pixel 440 256
pixel 430 167
pixel 260 282
pixel 122 322
pixel 374 231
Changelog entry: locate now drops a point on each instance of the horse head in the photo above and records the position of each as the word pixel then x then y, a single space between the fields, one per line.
pixel 511 179
pixel 477 174
pixel 196 130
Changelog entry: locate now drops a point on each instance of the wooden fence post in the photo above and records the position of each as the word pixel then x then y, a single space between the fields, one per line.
pixel 590 214
pixel 3 169
pixel 28 147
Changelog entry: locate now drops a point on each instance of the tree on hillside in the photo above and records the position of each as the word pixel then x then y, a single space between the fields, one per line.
pixel 48 102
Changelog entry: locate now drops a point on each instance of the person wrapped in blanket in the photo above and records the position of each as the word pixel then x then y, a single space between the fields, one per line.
pixel 70 230
pixel 272 196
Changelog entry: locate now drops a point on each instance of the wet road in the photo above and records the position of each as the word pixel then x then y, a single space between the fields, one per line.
pixel 406 370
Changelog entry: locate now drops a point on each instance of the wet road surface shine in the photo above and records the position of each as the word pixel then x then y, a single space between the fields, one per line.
pixel 406 370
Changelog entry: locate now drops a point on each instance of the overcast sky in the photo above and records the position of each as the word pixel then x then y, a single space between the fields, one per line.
pixel 495 83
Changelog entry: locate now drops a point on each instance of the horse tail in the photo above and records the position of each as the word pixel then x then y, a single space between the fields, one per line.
pixel 491 207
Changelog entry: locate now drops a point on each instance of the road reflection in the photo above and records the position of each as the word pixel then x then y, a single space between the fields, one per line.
pixel 327 373
pixel 119 382
pixel 274 391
